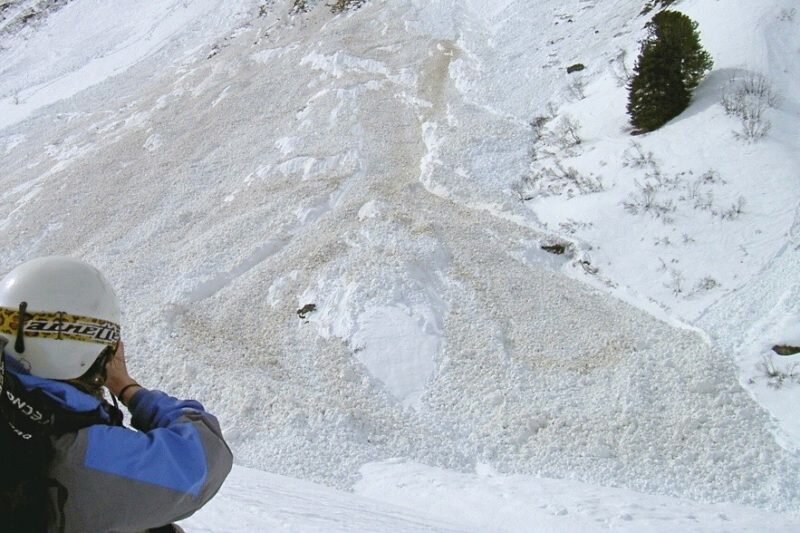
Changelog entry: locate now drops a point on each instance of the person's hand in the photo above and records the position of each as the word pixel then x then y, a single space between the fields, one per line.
pixel 117 377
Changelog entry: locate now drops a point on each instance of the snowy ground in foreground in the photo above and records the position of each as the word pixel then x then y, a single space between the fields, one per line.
pixel 322 238
pixel 396 497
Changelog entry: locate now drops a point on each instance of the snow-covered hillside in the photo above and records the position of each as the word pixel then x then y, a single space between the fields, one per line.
pixel 330 230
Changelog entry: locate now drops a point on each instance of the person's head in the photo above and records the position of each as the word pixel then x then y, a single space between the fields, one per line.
pixel 60 317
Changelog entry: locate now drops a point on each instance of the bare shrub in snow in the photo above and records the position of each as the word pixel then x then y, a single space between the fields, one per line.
pixel 551 136
pixel 619 68
pixel 675 283
pixel 539 125
pixel 712 177
pixel 776 376
pixel 787 15
pixel 704 285
pixel 735 210
pixel 698 192
pixel 554 138
pixel 538 130
pixel 754 126
pixel 584 184
pixel 343 5
pixel 566 133
pixel 753 86
pixel 645 200
pixel 653 4
pixel 642 200
pixel 704 201
pixel 692 191
pixel 635 157
pixel 558 179
pixel 572 226
pixel 525 188
pixel 299 6
pixel 748 98
pixel 658 192
pixel 577 88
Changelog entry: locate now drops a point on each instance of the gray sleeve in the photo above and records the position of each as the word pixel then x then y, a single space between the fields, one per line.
pixel 108 478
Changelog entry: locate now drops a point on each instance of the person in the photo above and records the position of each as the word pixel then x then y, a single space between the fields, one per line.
pixel 69 464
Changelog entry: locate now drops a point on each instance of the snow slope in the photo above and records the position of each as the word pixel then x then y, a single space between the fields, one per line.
pixel 252 500
pixel 330 230
pixel 404 497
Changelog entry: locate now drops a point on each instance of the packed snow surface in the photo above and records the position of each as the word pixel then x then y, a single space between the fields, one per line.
pixel 403 497
pixel 334 232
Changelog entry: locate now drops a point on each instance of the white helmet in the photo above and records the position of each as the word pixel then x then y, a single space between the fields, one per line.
pixel 69 314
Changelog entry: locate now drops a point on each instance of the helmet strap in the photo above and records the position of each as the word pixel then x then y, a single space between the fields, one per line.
pixel 19 344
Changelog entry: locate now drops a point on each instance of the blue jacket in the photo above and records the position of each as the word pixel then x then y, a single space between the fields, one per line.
pixel 110 478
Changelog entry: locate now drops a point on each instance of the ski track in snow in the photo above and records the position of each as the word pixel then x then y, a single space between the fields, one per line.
pixel 295 505
pixel 245 167
pixel 404 497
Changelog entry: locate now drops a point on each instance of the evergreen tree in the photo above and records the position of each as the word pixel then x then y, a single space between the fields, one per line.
pixel 670 65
